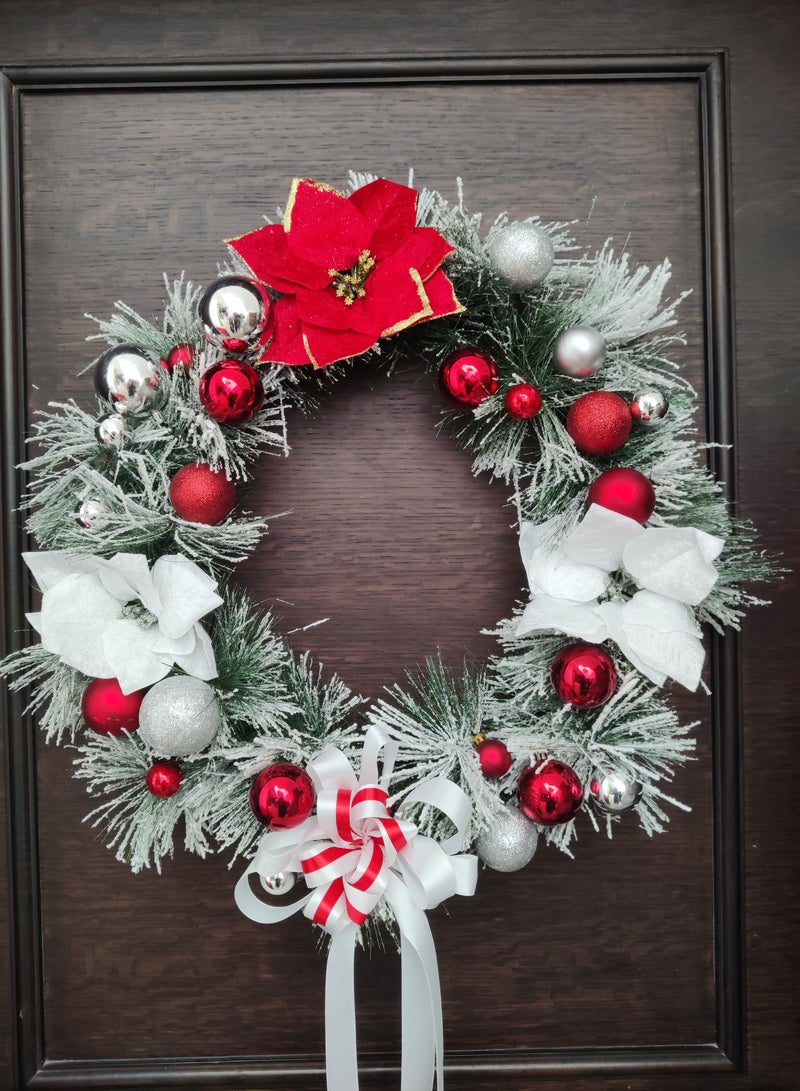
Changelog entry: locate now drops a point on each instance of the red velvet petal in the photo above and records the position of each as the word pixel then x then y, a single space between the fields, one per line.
pixel 424 250
pixel 323 227
pixel 324 309
pixel 287 346
pixel 395 298
pixel 392 211
pixel 441 295
pixel 327 346
pixel 268 256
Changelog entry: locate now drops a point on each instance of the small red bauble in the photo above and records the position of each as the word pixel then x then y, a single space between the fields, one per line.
pixel 625 491
pixel 109 711
pixel 282 795
pixel 523 401
pixel 164 778
pixel 550 794
pixel 231 391
pixel 202 495
pixel 179 356
pixel 467 378
pixel 584 675
pixel 599 422
pixel 494 758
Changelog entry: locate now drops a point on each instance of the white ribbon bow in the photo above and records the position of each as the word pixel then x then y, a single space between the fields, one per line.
pixel 354 852
pixel 655 628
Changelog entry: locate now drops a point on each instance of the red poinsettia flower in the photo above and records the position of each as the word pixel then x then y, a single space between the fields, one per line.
pixel 353 269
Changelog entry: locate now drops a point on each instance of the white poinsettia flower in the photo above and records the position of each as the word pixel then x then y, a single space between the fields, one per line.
pixel 120 619
pixel 655 629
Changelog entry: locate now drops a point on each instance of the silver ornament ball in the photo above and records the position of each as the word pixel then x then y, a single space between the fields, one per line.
pixel 614 792
pixel 235 312
pixel 92 514
pixel 278 884
pixel 130 378
pixel 649 406
pixel 179 716
pixel 521 255
pixel 580 351
pixel 111 430
pixel 510 842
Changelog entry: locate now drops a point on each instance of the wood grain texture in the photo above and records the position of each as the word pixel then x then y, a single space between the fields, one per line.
pixel 119 187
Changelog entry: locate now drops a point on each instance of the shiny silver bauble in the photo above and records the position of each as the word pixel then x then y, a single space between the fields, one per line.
pixel 278 884
pixel 130 378
pixel 521 255
pixel 649 406
pixel 614 792
pixel 579 351
pixel 510 842
pixel 111 430
pixel 179 716
pixel 92 514
pixel 236 313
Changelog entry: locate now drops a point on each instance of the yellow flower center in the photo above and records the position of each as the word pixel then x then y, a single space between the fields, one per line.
pixel 349 285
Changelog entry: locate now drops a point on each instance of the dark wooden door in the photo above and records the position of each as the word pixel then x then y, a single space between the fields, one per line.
pixel 136 138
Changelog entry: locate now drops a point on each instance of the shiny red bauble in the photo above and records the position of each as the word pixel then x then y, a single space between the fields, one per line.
pixel 164 778
pixel 625 491
pixel 599 422
pixel 231 391
pixel 494 757
pixel 584 675
pixel 282 795
pixel 523 401
pixel 109 711
pixel 467 378
pixel 179 356
pixel 202 495
pixel 550 794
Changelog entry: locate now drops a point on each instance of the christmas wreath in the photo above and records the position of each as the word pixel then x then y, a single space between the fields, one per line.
pixel 187 706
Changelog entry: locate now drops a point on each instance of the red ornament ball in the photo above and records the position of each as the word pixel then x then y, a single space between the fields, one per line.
pixel 584 675
pixel 282 795
pixel 179 356
pixel 599 422
pixel 202 495
pixel 109 711
pixel 625 491
pixel 523 401
pixel 231 391
pixel 164 778
pixel 494 758
pixel 467 378
pixel 550 794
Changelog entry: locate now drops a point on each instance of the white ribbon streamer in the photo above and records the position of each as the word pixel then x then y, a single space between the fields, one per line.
pixel 354 852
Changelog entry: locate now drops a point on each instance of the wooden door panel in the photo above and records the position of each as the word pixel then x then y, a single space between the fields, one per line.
pixel 623 959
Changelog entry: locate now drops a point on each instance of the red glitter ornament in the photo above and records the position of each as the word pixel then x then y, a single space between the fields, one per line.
pixel 231 391
pixel 599 422
pixel 179 356
pixel 467 378
pixel 550 794
pixel 109 711
pixel 523 401
pixel 625 491
pixel 282 795
pixel 202 495
pixel 494 757
pixel 164 778
pixel 583 675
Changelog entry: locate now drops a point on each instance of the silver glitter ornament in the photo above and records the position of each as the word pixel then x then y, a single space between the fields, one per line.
pixel 92 513
pixel 278 884
pixel 649 406
pixel 111 430
pixel 510 842
pixel 614 792
pixel 580 351
pixel 235 312
pixel 130 378
pixel 179 716
pixel 521 255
